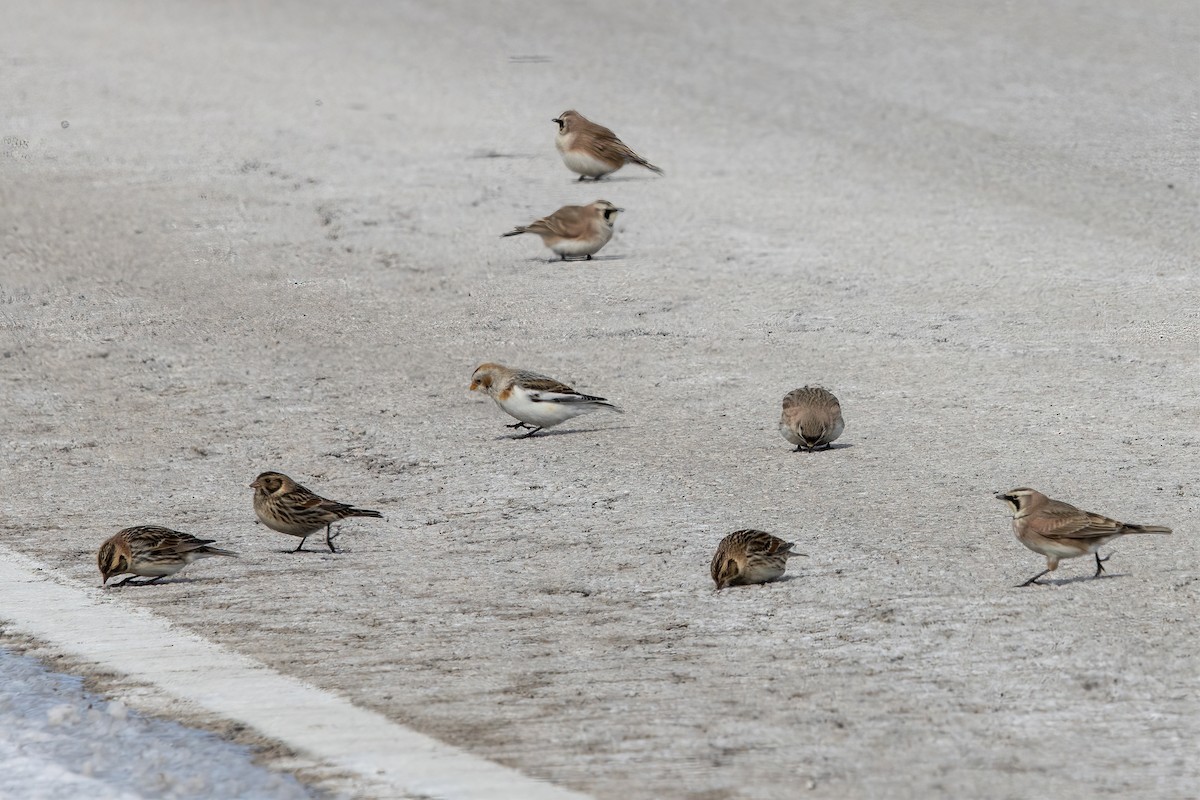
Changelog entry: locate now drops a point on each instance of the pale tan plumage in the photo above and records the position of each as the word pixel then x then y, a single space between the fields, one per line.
pixel 1059 530
pixel 750 556
pixel 285 506
pixel 812 417
pixel 574 231
pixel 536 400
pixel 151 551
pixel 592 150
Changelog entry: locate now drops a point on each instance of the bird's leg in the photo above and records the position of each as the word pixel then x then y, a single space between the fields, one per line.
pixel 127 580
pixel 519 425
pixel 799 449
pixel 1100 564
pixel 589 257
pixel 300 547
pixel 582 178
pixel 330 536
pixel 531 433
pixel 1033 580
pixel 152 580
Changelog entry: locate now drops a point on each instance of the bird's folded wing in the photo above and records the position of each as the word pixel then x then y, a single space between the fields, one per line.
pixel 1074 524
pixel 540 383
pixel 605 147
pixel 568 223
pixel 175 543
pixel 560 397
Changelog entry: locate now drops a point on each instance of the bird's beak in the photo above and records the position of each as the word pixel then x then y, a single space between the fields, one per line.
pixel 620 209
pixel 559 121
pixel 1002 496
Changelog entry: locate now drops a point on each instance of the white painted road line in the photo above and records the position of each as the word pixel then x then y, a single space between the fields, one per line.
pixel 131 641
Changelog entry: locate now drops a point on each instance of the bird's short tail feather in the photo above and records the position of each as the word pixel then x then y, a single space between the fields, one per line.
pixel 1146 529
pixel 216 551
pixel 641 162
pixel 363 512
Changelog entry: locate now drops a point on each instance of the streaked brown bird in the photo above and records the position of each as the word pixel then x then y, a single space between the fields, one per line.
pixel 1059 530
pixel 151 551
pixel 574 232
pixel 750 556
pixel 285 506
pixel 592 150
pixel 812 417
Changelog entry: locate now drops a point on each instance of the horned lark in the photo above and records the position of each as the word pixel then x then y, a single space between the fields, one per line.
pixel 1059 530
pixel 593 150
pixel 750 556
pixel 812 417
pixel 149 551
pixel 574 231
pixel 285 506
pixel 535 400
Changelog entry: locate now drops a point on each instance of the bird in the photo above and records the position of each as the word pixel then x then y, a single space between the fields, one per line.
pixel 750 556
pixel 1059 530
pixel 574 232
pixel 535 400
pixel 285 506
pixel 151 551
pixel 593 150
pixel 812 417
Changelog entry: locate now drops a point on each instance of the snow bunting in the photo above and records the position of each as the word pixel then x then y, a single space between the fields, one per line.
pixel 575 231
pixel 1059 530
pixel 811 417
pixel 536 400
pixel 150 551
pixel 285 506
pixel 593 150
pixel 750 556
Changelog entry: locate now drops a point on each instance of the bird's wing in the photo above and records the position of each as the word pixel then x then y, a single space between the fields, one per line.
pixel 569 222
pixel 603 144
pixel 768 544
pixel 533 382
pixel 168 541
pixel 1063 521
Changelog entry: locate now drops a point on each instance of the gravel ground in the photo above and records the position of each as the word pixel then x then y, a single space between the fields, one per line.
pixel 240 237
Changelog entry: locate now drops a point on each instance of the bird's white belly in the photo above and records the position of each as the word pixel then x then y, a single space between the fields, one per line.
pixel 585 246
pixel 148 569
pixel 761 573
pixel 544 414
pixel 586 164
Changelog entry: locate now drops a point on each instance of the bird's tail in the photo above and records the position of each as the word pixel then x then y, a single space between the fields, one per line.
pixel 599 402
pixel 1146 529
pixel 363 512
pixel 641 162
pixel 216 551
pixel 514 232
